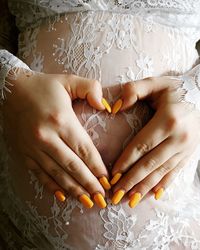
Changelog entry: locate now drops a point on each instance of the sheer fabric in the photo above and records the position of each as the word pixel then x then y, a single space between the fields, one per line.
pixel 114 42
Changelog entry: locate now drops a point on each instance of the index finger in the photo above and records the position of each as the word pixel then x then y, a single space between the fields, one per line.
pixel 148 138
pixel 80 142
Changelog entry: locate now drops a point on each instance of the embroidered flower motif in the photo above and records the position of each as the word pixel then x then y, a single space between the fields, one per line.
pixel 37 63
pixel 145 63
pixel 119 228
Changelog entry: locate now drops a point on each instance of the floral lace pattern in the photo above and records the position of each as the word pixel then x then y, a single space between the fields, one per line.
pixel 29 12
pixel 8 69
pixel 114 48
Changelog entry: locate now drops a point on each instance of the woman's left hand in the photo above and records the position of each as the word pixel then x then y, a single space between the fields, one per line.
pixel 157 153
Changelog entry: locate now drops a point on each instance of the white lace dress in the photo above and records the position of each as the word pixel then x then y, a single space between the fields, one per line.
pixel 114 41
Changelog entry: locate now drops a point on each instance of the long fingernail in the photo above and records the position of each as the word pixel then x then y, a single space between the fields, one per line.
pixel 86 201
pixel 115 178
pixel 159 193
pixel 135 199
pixel 116 107
pixel 105 183
pixel 106 105
pixel 60 196
pixel 100 201
pixel 118 196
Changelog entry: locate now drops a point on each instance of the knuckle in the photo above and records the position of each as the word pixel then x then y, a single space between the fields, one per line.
pixel 83 151
pixel 57 118
pixel 39 134
pixel 164 169
pixel 56 173
pixel 172 121
pixel 72 167
pixel 150 165
pixel 142 148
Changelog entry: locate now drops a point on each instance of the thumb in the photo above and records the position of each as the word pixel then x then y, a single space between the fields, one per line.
pixel 148 88
pixel 83 88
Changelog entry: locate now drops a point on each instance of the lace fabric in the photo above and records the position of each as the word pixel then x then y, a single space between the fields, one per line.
pixel 113 48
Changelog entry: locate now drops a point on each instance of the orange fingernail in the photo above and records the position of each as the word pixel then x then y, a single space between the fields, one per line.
pixel 116 107
pixel 135 199
pixel 60 196
pixel 104 182
pixel 117 196
pixel 115 178
pixel 86 201
pixel 106 105
pixel 100 201
pixel 159 193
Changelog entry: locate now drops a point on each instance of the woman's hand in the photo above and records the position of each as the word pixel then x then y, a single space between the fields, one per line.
pixel 43 131
pixel 157 153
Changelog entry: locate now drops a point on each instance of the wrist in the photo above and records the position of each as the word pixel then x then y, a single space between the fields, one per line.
pixel 10 77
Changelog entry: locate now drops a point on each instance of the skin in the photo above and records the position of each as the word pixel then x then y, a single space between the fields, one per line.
pixel 44 133
pixel 164 145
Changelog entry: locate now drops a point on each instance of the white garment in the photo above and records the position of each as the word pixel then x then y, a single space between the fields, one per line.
pixel 114 42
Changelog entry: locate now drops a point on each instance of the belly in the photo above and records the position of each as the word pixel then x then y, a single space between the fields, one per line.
pixel 114 49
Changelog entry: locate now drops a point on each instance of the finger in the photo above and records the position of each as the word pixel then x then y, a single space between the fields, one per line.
pixel 77 184
pixel 66 182
pixel 151 136
pixel 143 143
pixel 149 163
pixel 166 181
pixel 145 89
pixel 146 185
pixel 76 168
pixel 83 88
pixel 48 183
pixel 80 142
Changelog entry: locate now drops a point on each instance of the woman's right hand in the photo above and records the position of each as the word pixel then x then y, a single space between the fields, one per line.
pixel 42 130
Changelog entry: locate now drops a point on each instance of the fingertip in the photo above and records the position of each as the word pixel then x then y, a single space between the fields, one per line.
pixel 158 193
pixel 106 105
pixel 117 106
pixel 129 95
pixel 105 183
pixel 60 196
pixel 95 101
pixel 116 178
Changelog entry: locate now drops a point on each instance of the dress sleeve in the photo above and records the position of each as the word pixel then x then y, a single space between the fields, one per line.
pixel 191 86
pixel 8 47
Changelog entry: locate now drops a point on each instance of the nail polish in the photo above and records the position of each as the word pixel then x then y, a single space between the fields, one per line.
pixel 135 199
pixel 60 196
pixel 100 201
pixel 115 178
pixel 116 107
pixel 106 105
pixel 104 182
pixel 86 201
pixel 118 196
pixel 159 193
